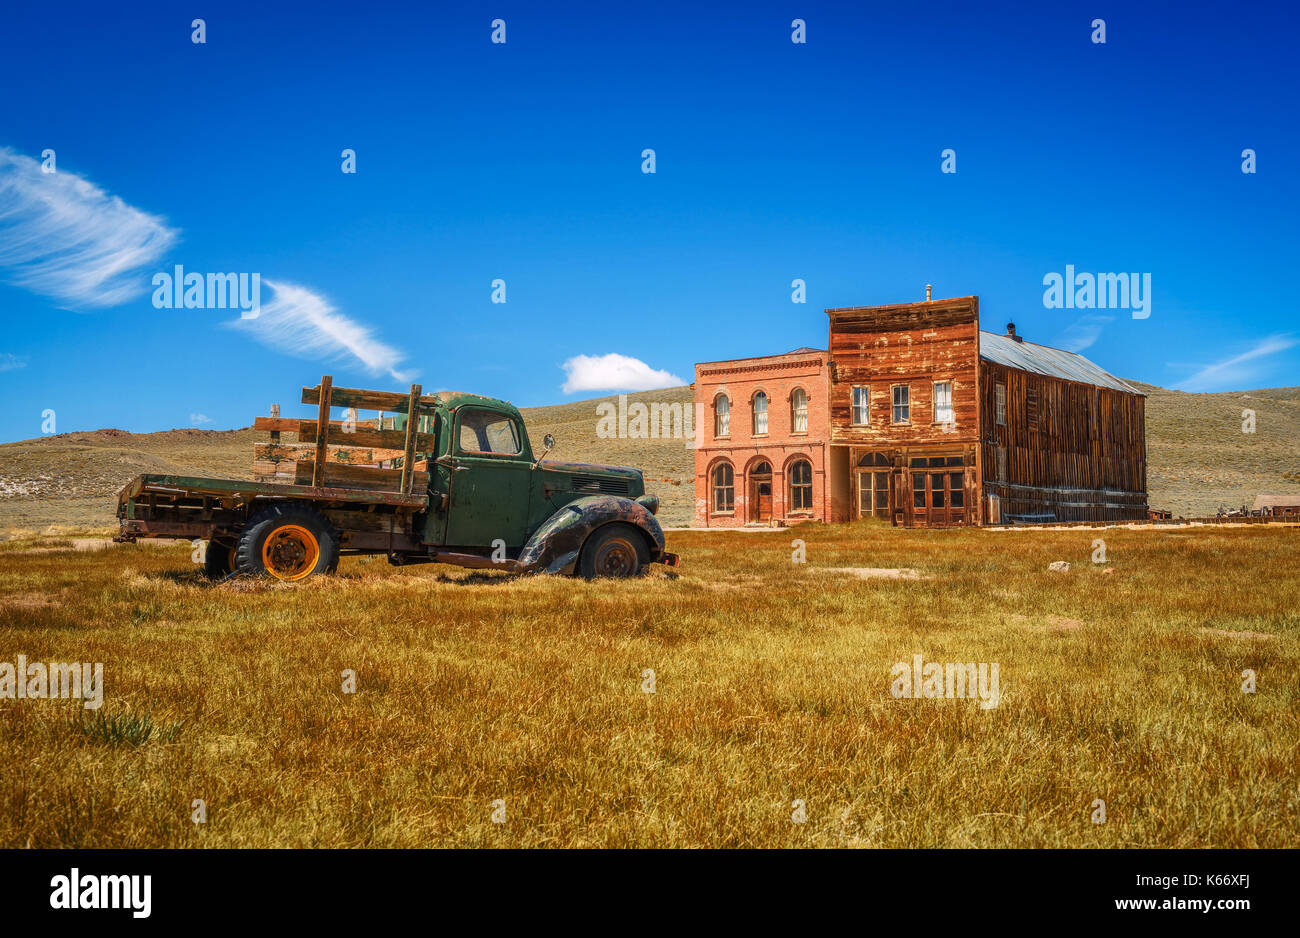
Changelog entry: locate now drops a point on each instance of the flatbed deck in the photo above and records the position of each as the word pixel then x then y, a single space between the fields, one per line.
pixel 198 486
pixel 194 507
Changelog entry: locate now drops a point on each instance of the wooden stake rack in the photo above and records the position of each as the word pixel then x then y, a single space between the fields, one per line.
pixel 351 453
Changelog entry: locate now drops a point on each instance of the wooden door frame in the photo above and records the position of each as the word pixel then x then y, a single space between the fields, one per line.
pixel 872 512
pixel 753 481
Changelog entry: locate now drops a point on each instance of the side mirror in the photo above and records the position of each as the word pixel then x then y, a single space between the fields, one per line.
pixel 548 444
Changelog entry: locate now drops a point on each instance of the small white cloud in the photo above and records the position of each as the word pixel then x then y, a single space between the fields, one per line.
pixel 63 237
pixel 1084 331
pixel 10 362
pixel 614 372
pixel 303 323
pixel 1234 371
pixel 196 419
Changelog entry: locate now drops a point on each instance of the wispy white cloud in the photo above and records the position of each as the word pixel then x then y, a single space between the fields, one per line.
pixel 1232 373
pixel 303 323
pixel 11 362
pixel 1084 331
pixel 196 419
pixel 614 372
pixel 63 237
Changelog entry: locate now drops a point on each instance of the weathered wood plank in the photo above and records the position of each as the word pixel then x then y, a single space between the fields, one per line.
pixel 412 435
pixel 370 400
pixel 385 439
pixel 322 429
pixel 362 477
pixel 334 453
pixel 276 424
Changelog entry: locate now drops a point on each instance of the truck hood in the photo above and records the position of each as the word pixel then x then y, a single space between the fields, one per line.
pixel 582 468
pixel 586 479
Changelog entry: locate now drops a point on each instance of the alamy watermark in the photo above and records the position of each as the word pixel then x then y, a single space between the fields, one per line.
pixel 1098 291
pixel 953 680
pixel 78 891
pixel 37 681
pixel 179 290
pixel 655 420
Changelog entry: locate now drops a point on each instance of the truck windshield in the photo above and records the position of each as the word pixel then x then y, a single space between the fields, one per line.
pixel 482 431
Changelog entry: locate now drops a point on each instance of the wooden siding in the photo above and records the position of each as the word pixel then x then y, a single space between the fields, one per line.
pixel 916 345
pixel 1073 451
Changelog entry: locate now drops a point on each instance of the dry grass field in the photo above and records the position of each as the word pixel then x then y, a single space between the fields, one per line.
pixel 1120 682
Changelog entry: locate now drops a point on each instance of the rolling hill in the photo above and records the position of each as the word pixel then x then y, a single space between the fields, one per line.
pixel 1199 458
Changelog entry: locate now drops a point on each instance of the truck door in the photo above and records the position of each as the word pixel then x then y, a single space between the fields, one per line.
pixel 490 481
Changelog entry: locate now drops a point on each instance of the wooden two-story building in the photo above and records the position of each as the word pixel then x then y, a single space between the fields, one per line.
pixel 929 421
pixel 936 422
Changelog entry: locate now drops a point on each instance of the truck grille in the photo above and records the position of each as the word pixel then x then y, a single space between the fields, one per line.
pixel 596 485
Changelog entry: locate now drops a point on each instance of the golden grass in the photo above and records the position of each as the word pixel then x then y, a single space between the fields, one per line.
pixel 772 684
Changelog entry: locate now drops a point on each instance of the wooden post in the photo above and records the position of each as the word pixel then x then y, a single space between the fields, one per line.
pixel 322 430
pixel 412 431
pixel 275 415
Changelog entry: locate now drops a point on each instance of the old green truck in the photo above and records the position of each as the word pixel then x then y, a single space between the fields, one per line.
pixel 447 478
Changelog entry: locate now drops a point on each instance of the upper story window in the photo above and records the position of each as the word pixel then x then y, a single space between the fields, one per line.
pixel 760 413
pixel 482 431
pixel 860 406
pixel 722 416
pixel 902 404
pixel 1000 404
pixel 799 411
pixel 943 402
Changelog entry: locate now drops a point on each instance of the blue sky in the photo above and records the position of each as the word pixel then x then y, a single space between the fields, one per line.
pixel 522 161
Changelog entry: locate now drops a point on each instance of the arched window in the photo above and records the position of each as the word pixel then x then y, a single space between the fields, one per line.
pixel 801 498
pixel 760 413
pixel 722 416
pixel 724 488
pixel 799 411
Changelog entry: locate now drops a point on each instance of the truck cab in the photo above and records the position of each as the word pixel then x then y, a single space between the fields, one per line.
pixel 489 489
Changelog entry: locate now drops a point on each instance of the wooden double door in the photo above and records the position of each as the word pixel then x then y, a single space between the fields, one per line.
pixel 874 493
pixel 938 496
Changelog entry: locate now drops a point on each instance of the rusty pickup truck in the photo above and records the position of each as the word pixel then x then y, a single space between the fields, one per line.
pixel 446 478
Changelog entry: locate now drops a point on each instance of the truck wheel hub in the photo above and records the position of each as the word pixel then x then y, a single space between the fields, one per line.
pixel 290 552
pixel 616 558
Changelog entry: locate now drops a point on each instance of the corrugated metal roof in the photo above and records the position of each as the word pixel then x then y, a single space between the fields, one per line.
pixel 1053 362
pixel 1276 501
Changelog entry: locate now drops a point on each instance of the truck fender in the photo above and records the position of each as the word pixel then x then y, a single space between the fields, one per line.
pixel 554 547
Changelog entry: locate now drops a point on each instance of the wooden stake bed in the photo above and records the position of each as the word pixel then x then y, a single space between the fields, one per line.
pixel 348 454
pixel 361 475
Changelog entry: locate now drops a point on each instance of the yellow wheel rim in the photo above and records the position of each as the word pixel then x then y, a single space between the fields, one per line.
pixel 290 552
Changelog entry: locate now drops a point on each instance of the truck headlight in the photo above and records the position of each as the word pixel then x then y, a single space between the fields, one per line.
pixel 650 503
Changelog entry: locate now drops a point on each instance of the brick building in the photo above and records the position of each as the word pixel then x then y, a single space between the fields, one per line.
pixel 916 416
pixel 761 440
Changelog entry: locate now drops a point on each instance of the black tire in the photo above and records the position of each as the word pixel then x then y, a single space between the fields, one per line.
pixel 218 560
pixel 616 551
pixel 280 533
